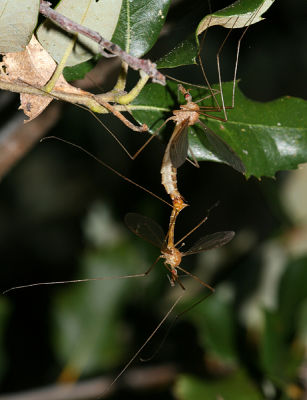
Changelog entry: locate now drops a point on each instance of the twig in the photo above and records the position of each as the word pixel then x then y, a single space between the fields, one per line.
pixel 73 27
pixel 137 379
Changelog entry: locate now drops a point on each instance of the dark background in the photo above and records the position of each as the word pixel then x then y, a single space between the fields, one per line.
pixel 45 198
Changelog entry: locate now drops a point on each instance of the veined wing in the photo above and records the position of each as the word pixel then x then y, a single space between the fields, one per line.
pixel 146 228
pixel 179 144
pixel 209 242
pixel 223 150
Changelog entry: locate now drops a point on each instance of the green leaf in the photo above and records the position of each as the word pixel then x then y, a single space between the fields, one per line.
pixel 139 25
pixel 273 353
pixel 237 15
pixel 302 324
pixel 292 292
pixel 80 70
pixel 215 323
pixel 17 22
pixel 183 54
pixel 237 386
pixel 283 343
pixel 100 16
pixel 268 137
pixel 279 359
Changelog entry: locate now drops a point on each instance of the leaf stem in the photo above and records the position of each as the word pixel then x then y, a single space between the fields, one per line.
pixel 129 97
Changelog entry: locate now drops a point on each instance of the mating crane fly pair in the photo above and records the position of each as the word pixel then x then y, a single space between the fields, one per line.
pixel 175 154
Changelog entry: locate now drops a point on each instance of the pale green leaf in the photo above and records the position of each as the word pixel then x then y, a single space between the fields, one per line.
pixel 101 16
pixel 17 22
pixel 237 15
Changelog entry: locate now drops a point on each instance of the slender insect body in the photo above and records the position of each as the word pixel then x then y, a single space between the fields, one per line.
pixel 169 179
pixel 172 257
pixel 187 115
pixel 169 175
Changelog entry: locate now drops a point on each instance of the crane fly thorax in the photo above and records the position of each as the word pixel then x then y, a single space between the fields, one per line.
pixel 172 256
pixel 189 111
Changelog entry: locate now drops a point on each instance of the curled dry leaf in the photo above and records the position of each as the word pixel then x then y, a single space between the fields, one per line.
pixel 33 66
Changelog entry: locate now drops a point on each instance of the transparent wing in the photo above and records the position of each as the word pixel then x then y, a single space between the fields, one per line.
pixel 179 144
pixel 209 242
pixel 223 150
pixel 146 228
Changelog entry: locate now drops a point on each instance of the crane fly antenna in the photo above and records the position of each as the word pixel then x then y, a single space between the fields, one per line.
pixel 198 225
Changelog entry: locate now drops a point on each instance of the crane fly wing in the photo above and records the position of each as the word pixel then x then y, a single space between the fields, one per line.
pixel 179 144
pixel 223 150
pixel 146 228
pixel 209 242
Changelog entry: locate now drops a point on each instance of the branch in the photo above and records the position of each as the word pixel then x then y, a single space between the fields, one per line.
pixel 73 27
pixel 91 101
pixel 137 379
pixel 17 139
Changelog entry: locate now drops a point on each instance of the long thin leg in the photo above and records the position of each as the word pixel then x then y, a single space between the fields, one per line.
pixel 203 69
pixel 144 344
pixel 198 225
pixel 171 326
pixel 219 68
pixel 196 278
pixel 247 25
pixel 107 166
pixel 142 275
pixel 150 139
pixel 75 281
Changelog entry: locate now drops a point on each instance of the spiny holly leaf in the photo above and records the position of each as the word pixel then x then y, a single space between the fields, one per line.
pixel 268 137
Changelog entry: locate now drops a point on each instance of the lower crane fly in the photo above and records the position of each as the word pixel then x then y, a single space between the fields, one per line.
pixel 151 231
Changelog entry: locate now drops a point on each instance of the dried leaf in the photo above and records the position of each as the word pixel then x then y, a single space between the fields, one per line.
pixel 35 67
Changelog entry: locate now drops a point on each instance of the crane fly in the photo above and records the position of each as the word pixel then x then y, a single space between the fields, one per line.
pixel 177 149
pixel 187 116
pixel 151 231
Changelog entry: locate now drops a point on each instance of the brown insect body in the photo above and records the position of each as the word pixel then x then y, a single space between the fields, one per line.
pixel 187 115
